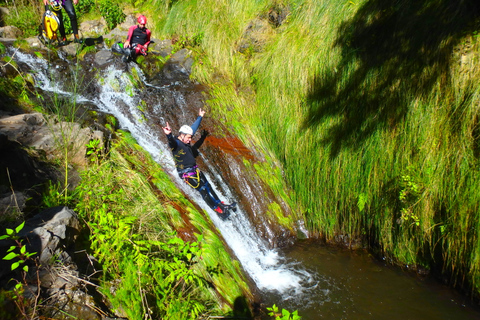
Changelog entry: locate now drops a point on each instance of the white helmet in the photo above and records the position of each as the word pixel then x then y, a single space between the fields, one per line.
pixel 186 130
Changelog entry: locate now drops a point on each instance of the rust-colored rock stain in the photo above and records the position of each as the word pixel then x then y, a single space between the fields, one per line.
pixel 231 145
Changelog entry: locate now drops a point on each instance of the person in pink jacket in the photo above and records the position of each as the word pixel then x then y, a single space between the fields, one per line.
pixel 138 39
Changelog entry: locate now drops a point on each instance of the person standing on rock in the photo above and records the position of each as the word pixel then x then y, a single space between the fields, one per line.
pixel 138 39
pixel 56 6
pixel 184 154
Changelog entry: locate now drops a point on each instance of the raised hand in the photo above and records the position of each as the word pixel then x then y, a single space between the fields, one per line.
pixel 167 130
pixel 201 112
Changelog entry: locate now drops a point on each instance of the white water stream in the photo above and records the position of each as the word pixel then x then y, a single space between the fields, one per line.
pixel 265 266
pixel 117 96
pixel 343 286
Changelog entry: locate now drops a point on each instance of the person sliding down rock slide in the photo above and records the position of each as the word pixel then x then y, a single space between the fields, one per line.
pixel 184 154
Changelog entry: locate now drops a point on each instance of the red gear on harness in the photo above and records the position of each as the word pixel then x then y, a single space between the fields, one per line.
pixel 139 49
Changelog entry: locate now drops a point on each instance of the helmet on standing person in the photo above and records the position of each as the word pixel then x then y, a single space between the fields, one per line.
pixel 186 130
pixel 56 5
pixel 142 20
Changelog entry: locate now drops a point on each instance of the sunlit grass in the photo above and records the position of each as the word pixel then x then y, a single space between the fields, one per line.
pixel 374 120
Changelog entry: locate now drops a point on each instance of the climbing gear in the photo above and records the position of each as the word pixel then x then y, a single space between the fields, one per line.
pixel 232 206
pixel 224 210
pixel 192 173
pixel 48 28
pixel 118 48
pixel 140 49
pixel 142 20
pixel 186 130
pixel 56 5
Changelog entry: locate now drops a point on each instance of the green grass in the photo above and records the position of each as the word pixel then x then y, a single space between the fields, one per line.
pixel 371 107
pixel 130 206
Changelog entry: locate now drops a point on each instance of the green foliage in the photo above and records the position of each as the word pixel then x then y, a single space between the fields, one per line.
pixel 19 259
pixel 17 85
pixel 94 151
pixel 111 12
pixel 55 194
pixel 362 201
pixel 284 315
pixel 157 277
pixel 409 193
pixel 344 118
pixel 85 6
pixel 184 42
pixel 67 24
pixel 25 16
pixel 162 276
pixel 271 175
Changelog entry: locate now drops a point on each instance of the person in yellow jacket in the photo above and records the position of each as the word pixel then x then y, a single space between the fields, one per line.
pixel 57 6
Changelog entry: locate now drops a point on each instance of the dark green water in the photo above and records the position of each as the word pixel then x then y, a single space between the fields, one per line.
pixel 352 285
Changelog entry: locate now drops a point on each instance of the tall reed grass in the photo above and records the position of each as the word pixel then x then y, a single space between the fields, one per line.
pixel 372 109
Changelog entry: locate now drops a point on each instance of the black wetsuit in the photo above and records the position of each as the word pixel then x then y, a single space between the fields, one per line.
pixel 184 155
pixel 68 6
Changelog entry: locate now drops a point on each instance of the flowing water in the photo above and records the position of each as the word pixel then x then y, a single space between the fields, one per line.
pixel 321 283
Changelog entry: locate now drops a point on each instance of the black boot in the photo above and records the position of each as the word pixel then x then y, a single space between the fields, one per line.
pixel 232 206
pixel 223 211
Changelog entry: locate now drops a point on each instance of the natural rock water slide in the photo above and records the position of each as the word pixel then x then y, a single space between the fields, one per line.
pixel 297 278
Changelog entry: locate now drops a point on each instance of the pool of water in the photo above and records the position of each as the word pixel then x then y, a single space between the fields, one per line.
pixel 354 285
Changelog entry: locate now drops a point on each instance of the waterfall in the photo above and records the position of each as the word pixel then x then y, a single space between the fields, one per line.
pixel 118 96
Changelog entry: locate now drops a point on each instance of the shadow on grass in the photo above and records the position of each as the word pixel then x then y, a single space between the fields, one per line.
pixel 392 53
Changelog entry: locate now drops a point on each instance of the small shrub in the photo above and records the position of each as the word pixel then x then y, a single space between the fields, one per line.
pixel 25 19
pixel 84 6
pixel 111 12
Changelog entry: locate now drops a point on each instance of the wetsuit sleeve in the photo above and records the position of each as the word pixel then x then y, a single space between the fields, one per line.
pixel 130 33
pixel 196 124
pixel 149 33
pixel 197 145
pixel 172 142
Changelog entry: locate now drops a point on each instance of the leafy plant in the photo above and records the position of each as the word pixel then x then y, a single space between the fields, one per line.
pixel 111 12
pixel 67 24
pixel 20 257
pixel 85 6
pixel 284 315
pixel 94 150
pixel 409 196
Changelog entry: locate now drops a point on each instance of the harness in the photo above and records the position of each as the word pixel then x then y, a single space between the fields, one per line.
pixel 194 173
pixel 191 173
